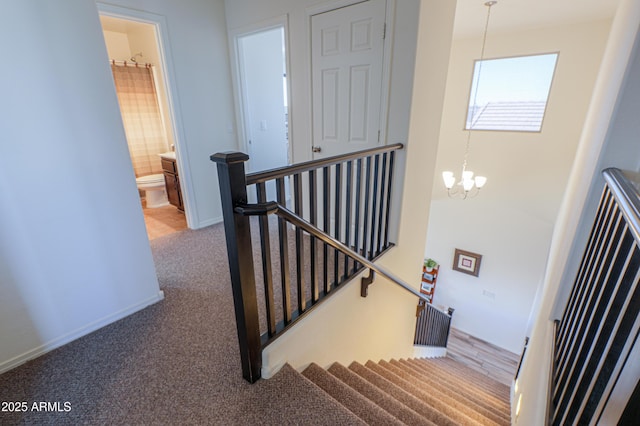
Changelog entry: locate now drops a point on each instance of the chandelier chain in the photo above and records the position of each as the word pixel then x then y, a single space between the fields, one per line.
pixel 468 186
pixel 475 94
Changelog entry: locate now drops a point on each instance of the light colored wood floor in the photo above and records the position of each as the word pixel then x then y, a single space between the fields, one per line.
pixel 482 356
pixel 162 221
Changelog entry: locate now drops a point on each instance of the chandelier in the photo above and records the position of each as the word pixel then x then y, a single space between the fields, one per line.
pixel 469 185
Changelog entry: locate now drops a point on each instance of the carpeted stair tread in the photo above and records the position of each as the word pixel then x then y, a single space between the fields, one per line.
pixel 289 398
pixel 462 384
pixel 380 398
pixel 428 398
pixel 461 371
pixel 452 375
pixel 462 387
pixel 355 402
pixel 495 363
pixel 500 388
pixel 451 408
pixel 448 388
pixel 420 407
pixel 472 401
pixel 449 395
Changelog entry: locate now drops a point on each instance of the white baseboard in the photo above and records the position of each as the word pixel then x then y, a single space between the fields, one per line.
pixel 209 222
pixel 76 334
pixel 269 366
pixel 429 352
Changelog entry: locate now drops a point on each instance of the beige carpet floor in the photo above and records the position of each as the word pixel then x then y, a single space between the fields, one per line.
pixel 175 362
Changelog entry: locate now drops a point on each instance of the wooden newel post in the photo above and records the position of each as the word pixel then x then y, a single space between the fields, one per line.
pixel 233 191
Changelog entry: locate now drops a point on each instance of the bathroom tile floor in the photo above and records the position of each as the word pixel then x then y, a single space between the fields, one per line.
pixel 163 220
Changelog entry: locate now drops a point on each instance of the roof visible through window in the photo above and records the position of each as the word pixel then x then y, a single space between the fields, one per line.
pixel 512 93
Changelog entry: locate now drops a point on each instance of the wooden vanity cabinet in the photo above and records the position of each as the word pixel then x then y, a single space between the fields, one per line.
pixel 172 183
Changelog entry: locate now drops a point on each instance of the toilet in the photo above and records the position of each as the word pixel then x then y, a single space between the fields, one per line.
pixel 154 188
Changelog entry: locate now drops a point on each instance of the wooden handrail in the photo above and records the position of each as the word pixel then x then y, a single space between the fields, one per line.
pixel 366 177
pixel 267 175
pixel 275 208
pixel 625 187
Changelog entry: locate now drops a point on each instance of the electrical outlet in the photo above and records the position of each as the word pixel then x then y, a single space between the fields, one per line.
pixel 488 294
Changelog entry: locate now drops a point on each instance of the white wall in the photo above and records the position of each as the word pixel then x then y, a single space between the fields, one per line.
pixel 607 140
pixel 348 327
pixel 261 67
pixel 494 306
pixel 74 254
pixel 201 95
pixel 250 13
pixel 511 221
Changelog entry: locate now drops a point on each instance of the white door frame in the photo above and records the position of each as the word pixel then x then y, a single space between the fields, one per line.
pixel 167 65
pixel 241 101
pixel 386 60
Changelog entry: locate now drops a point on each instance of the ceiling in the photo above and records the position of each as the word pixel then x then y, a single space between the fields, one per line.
pixel 510 15
pixel 506 15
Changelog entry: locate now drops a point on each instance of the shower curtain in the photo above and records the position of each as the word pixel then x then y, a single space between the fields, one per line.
pixel 141 116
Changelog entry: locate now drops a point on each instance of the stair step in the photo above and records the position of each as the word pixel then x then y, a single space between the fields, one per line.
pixel 354 401
pixel 455 411
pixel 419 391
pixel 291 393
pixel 465 406
pixel 452 373
pixel 501 389
pixel 391 405
pixel 455 390
pixel 403 396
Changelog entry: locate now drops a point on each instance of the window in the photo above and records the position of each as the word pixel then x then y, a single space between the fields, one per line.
pixel 512 93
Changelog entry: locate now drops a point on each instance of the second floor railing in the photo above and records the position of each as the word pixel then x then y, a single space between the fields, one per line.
pixel 332 220
pixel 595 376
pixel 432 325
pixel 297 234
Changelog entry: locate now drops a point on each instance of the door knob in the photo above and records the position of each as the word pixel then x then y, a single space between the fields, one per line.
pixel 316 149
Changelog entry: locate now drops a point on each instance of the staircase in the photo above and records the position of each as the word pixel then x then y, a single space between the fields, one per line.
pixel 423 391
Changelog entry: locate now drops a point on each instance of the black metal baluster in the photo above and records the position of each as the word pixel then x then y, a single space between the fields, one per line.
pixel 325 227
pixel 347 221
pixel 374 206
pixel 337 221
pixel 312 240
pixel 356 236
pixel 392 155
pixel 382 199
pixel 367 193
pixel 265 249
pixel 283 241
pixel 297 189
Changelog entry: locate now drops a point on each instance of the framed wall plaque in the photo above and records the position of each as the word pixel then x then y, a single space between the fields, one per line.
pixel 467 262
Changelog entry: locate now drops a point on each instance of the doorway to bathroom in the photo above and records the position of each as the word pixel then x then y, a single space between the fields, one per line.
pixel 139 75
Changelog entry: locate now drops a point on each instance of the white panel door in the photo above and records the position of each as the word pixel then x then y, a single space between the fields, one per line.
pixel 261 69
pixel 347 53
